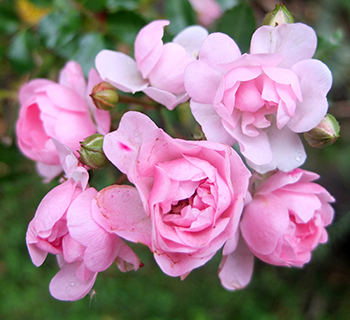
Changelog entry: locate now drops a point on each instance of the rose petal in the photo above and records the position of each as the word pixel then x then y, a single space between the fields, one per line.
pixel 236 269
pixel 295 41
pixel 119 209
pixel 264 221
pixel 66 286
pixel 191 39
pixel 120 70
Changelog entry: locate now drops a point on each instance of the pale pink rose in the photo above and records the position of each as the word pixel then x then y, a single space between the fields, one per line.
pixel 63 225
pixel 158 69
pixel 189 195
pixel 287 217
pixel 63 111
pixel 207 11
pixel 263 99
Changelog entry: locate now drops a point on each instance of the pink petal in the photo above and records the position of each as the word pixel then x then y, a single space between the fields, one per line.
pixel 207 10
pixel 236 269
pixel 211 123
pixel 315 81
pixel 149 46
pixel 168 73
pixel 265 219
pixel 218 48
pixel 48 171
pixel 66 98
pixel 66 286
pixel 101 246
pixel 296 41
pixel 191 39
pixel 30 89
pixel 201 81
pixel 71 76
pixel 302 205
pixel 255 148
pixel 165 98
pixel 121 146
pixel 127 259
pixel 287 150
pixel 178 264
pixel 119 209
pixel 53 206
pixel 281 180
pixel 120 70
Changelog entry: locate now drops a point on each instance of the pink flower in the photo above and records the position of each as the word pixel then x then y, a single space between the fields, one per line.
pixel 287 217
pixel 62 111
pixel 263 99
pixel 159 68
pixel 189 195
pixel 63 225
pixel 207 10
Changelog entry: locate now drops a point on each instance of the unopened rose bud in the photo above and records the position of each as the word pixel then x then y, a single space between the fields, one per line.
pixel 324 134
pixel 104 96
pixel 91 152
pixel 279 15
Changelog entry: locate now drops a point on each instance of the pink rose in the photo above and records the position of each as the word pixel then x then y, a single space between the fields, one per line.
pixel 62 111
pixel 63 225
pixel 287 217
pixel 207 11
pixel 189 195
pixel 159 68
pixel 263 99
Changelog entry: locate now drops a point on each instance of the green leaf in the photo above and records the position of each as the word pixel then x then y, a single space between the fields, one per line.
pixel 239 24
pixel 89 46
pixel 124 26
pixel 20 51
pixel 59 28
pixel 115 5
pixel 180 14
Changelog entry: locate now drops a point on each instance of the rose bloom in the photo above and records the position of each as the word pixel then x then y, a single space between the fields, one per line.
pixel 287 217
pixel 63 225
pixel 63 111
pixel 189 195
pixel 262 99
pixel 159 68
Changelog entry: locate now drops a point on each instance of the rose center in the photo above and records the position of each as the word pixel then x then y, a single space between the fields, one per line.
pixel 176 208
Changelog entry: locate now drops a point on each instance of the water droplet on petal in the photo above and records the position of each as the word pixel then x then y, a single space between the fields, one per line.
pixel 72 284
pixel 298 157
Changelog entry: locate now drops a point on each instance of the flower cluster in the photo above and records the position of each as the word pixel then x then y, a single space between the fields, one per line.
pixel 188 199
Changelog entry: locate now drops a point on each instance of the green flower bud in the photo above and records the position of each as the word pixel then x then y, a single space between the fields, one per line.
pixel 279 15
pixel 91 152
pixel 104 96
pixel 324 134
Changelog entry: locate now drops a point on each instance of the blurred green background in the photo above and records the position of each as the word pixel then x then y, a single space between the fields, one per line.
pixel 37 37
